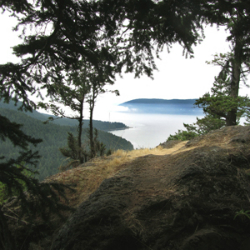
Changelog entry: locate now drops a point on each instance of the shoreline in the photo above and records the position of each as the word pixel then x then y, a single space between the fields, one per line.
pixel 118 129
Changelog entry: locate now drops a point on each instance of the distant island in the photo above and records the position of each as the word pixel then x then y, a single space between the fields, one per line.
pixel 162 106
pixel 159 101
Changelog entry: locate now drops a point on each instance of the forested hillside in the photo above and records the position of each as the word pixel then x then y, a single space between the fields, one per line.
pixel 100 125
pixel 54 137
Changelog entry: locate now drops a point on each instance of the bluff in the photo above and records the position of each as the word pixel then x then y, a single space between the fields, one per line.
pixel 180 197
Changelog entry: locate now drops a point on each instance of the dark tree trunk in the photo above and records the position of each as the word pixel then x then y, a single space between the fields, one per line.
pixel 80 155
pixel 91 136
pixel 231 119
pixel 91 109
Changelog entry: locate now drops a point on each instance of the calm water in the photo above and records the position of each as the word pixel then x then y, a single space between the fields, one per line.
pixel 151 124
pixel 149 130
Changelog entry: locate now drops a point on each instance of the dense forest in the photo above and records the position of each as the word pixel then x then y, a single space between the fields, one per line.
pixel 54 137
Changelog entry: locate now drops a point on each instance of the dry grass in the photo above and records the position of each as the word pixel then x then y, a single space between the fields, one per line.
pixel 146 151
pixel 89 176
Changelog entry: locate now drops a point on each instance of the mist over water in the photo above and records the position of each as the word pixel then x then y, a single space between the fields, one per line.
pixel 168 109
pixel 149 130
pixel 149 125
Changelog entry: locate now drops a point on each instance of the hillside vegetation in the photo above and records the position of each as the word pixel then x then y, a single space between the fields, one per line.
pixel 143 195
pixel 53 136
pixel 70 52
pixel 100 125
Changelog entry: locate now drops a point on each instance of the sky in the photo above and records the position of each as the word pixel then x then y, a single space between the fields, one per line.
pixel 177 77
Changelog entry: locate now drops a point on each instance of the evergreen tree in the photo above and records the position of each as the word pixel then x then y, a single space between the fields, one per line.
pixel 216 106
pixel 75 155
pixel 225 101
pixel 72 94
pixel 96 88
pixel 17 179
pixel 220 103
pixel 83 84
pixel 123 33
pixel 235 64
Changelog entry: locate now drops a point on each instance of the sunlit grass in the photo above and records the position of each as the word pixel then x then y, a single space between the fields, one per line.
pixel 90 175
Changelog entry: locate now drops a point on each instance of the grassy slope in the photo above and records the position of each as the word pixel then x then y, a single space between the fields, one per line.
pixel 89 177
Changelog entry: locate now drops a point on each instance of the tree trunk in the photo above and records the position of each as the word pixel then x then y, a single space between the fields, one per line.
pixel 80 156
pixel 231 119
pixel 91 136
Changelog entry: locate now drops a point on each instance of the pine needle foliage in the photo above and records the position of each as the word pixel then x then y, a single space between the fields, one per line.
pixel 32 197
pixel 75 154
pixel 123 34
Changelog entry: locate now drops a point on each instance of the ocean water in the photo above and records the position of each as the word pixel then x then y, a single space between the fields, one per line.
pixel 149 125
pixel 149 130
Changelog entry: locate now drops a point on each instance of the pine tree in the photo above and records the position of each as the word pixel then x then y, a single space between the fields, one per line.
pixel 80 85
pixel 220 103
pixel 124 34
pixel 71 93
pixel 75 154
pixel 217 108
pixel 235 64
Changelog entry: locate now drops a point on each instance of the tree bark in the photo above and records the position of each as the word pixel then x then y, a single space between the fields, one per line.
pixel 231 119
pixel 91 136
pixel 80 155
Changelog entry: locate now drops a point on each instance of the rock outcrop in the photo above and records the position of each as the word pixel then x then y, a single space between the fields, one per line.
pixel 186 200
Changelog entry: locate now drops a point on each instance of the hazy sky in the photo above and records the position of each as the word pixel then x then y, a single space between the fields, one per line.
pixel 177 77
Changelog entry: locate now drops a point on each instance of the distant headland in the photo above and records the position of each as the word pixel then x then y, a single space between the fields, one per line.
pixel 162 106
pixel 158 101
